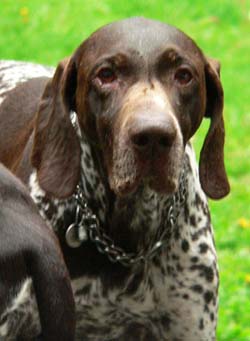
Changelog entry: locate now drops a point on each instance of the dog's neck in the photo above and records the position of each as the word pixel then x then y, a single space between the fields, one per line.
pixel 132 222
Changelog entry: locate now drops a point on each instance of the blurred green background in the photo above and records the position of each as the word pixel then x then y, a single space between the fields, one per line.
pixel 47 31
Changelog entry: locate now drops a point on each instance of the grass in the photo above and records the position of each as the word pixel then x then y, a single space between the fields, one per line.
pixel 48 31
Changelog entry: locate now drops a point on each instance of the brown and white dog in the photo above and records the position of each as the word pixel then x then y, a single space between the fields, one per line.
pixel 138 90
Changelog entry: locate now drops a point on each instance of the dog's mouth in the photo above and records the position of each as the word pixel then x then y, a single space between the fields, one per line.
pixel 128 186
pixel 162 186
pixel 161 175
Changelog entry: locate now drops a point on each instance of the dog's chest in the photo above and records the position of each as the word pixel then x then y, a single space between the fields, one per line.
pixel 138 307
pixel 173 297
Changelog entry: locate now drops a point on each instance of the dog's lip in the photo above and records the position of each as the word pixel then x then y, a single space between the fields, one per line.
pixel 158 187
pixel 152 174
pixel 126 190
pixel 151 181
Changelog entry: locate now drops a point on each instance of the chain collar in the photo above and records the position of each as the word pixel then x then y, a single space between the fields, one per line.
pixel 87 225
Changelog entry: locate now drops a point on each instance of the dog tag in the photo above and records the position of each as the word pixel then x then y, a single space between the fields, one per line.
pixel 71 237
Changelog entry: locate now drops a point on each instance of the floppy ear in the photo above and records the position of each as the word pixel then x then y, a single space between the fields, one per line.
pixel 211 168
pixel 56 149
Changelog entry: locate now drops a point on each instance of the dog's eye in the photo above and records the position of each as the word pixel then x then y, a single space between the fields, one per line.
pixel 106 75
pixel 183 76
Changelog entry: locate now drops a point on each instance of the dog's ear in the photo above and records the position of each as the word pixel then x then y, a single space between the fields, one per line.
pixel 56 149
pixel 211 168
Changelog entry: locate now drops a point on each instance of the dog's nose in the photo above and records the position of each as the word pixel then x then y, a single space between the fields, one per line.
pixel 152 137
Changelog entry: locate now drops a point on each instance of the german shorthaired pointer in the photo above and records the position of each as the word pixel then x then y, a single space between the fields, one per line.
pixel 29 249
pixel 108 161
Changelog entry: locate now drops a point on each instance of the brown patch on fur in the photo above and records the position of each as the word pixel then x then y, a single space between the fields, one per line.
pixel 212 169
pixel 56 149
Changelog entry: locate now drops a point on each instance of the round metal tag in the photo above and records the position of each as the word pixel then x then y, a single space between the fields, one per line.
pixel 71 237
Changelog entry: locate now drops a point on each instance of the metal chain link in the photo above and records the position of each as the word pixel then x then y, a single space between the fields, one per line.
pixel 86 220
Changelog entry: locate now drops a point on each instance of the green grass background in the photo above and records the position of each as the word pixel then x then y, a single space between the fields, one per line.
pixel 47 31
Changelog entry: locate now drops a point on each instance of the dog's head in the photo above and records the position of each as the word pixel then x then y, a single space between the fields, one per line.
pixel 140 89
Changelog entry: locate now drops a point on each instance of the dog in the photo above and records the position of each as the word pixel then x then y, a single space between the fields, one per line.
pixel 29 249
pixel 104 146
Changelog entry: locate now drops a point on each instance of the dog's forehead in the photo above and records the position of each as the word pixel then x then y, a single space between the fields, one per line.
pixel 142 35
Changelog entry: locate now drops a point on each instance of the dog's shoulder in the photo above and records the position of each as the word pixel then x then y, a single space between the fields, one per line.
pixel 14 72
